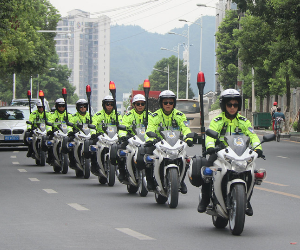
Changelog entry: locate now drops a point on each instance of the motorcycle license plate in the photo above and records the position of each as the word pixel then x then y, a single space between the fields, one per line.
pixel 11 138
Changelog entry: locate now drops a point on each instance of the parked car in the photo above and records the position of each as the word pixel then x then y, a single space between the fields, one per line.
pixel 25 102
pixel 13 125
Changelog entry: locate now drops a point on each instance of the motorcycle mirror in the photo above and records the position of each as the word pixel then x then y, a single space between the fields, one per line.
pixel 151 134
pixel 29 122
pixel 191 135
pixel 269 137
pixel 212 133
pixel 70 124
pixel 122 127
pixel 49 124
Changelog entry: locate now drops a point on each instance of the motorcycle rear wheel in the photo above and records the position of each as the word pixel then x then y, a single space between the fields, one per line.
pixel 237 209
pixel 219 222
pixel 132 189
pixel 160 199
pixel 172 187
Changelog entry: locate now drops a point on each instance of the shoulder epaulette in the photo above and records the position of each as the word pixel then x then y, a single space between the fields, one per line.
pixel 129 113
pixel 34 112
pixel 179 113
pixel 149 113
pixel 118 113
pixel 154 114
pixel 99 113
pixel 218 119
pixel 74 115
pixel 243 118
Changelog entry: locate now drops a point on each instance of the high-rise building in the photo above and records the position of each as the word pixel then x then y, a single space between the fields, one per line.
pixel 85 49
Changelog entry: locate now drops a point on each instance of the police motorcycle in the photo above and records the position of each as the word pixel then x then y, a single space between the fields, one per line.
pixel 38 140
pixel 170 164
pixel 135 177
pixel 232 178
pixel 107 170
pixel 58 144
pixel 80 147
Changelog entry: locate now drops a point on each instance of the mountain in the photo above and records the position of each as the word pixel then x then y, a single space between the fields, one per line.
pixel 134 52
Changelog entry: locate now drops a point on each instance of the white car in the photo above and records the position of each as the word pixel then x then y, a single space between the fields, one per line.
pixel 33 102
pixel 13 125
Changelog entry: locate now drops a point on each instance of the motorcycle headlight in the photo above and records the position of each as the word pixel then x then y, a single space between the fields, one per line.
pixel 172 153
pixel 239 166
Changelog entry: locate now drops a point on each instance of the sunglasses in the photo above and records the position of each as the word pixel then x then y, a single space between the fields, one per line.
pixel 140 104
pixel 229 105
pixel 166 103
pixel 61 106
pixel 83 106
pixel 109 104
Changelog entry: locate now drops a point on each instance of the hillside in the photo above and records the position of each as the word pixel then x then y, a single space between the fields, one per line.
pixel 135 51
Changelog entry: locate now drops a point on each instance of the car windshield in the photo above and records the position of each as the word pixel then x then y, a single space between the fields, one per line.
pixel 188 107
pixel 14 114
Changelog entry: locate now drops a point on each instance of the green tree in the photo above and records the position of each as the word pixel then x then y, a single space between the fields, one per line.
pixel 159 80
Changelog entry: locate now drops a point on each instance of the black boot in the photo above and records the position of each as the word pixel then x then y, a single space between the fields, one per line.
pixel 150 179
pixel 204 198
pixel 249 210
pixel 183 188
pixel 30 151
pixel 94 166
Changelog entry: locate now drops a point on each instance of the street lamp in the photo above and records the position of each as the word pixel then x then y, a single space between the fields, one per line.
pixel 168 72
pixel 188 58
pixel 177 66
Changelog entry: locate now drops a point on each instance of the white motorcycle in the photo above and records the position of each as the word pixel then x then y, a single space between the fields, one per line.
pixel 59 145
pixel 232 179
pixel 80 148
pixel 102 148
pixel 134 175
pixel 170 165
pixel 37 140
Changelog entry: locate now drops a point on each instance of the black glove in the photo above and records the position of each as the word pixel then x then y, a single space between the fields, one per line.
pixel 94 136
pixel 259 152
pixel 190 143
pixel 148 143
pixel 50 132
pixel 71 133
pixel 210 151
pixel 29 130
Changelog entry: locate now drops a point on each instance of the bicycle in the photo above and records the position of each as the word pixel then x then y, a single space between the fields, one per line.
pixel 278 127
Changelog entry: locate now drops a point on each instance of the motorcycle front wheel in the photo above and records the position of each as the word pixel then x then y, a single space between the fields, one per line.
pixel 111 178
pixel 42 157
pixel 237 209
pixel 86 167
pixel 64 163
pixel 142 188
pixel 172 187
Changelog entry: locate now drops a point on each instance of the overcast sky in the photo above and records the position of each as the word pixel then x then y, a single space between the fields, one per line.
pixel 153 15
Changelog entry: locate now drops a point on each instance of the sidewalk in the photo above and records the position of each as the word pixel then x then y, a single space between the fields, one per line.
pixel 293 136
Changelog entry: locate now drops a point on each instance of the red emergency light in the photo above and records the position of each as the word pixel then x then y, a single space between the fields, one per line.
pixel 88 89
pixel 200 77
pixel 147 84
pixel 41 94
pixel 64 91
pixel 112 85
pixel 28 93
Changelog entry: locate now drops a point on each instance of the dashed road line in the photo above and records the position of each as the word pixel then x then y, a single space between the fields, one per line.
pixel 283 157
pixel 50 191
pixel 278 192
pixel 15 163
pixel 13 156
pixel 77 206
pixel 15 151
pixel 22 170
pixel 34 179
pixel 134 234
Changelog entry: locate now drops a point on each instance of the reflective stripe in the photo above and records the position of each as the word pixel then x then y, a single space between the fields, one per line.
pixel 255 144
pixel 210 143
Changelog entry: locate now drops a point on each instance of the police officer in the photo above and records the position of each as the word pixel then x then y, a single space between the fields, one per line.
pixel 57 117
pixel 36 117
pixel 136 116
pixel 229 121
pixel 169 117
pixel 106 116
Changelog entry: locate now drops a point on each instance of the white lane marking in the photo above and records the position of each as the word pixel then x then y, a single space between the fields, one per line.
pixel 77 206
pixel 134 234
pixel 34 179
pixel 15 163
pixel 278 192
pixel 277 184
pixel 22 170
pixel 50 191
pixel 15 151
pixel 283 157
pixel 13 156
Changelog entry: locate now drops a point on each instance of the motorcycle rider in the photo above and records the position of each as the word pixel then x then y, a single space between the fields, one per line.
pixel 36 117
pixel 277 114
pixel 78 119
pixel 228 121
pixel 169 117
pixel 107 116
pixel 138 116
pixel 57 117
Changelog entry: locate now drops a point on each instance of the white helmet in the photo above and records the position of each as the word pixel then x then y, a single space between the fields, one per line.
pixel 39 103
pixel 138 97
pixel 228 95
pixel 60 101
pixel 81 102
pixel 166 94
pixel 107 98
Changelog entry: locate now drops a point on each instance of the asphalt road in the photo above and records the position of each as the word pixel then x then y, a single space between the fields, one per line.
pixel 43 210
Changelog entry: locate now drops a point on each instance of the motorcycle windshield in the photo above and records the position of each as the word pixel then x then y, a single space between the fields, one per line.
pixel 237 142
pixel 111 131
pixel 170 136
pixel 140 131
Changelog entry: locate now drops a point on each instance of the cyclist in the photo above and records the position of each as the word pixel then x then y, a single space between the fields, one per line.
pixel 276 116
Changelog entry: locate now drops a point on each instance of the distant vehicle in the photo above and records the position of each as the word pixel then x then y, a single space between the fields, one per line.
pixel 191 109
pixel 25 102
pixel 13 125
